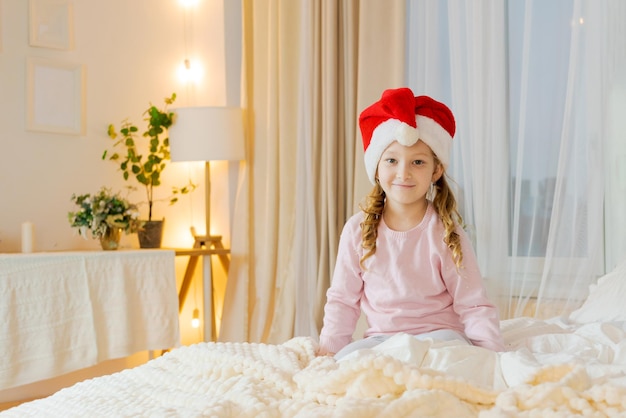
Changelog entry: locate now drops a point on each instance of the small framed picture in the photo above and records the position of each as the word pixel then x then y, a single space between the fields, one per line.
pixel 51 24
pixel 55 97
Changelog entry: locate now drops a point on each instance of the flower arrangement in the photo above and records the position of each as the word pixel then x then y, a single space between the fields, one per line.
pixel 103 211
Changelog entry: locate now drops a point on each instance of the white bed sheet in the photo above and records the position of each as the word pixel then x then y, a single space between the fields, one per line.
pixel 552 368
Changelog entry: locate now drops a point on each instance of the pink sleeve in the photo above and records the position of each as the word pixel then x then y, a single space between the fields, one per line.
pixel 477 314
pixel 342 309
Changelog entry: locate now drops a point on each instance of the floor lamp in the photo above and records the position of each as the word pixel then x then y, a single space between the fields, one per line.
pixel 206 134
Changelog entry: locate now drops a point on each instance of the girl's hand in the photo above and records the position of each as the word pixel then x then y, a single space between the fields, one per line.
pixel 323 352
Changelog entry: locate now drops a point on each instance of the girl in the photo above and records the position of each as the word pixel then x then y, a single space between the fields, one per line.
pixel 405 261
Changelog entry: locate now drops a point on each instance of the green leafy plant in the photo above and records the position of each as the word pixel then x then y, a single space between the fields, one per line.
pixel 102 211
pixel 145 160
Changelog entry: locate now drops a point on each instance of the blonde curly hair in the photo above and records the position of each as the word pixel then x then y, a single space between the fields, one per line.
pixel 445 206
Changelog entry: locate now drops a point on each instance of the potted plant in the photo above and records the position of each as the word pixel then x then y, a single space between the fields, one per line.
pixel 105 215
pixel 143 158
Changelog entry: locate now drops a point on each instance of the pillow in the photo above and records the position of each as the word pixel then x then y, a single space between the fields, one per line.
pixel 606 299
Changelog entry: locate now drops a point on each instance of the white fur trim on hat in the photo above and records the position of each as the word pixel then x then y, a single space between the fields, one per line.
pixel 437 138
pixel 384 134
pixel 429 131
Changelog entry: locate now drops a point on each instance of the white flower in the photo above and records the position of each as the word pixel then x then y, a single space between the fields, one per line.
pixel 103 211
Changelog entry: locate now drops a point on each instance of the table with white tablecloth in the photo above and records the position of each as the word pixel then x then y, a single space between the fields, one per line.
pixel 63 311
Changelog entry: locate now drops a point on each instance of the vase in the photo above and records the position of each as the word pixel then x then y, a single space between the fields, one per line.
pixel 111 239
pixel 151 235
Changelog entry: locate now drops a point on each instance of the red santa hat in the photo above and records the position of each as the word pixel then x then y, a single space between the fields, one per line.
pixel 400 116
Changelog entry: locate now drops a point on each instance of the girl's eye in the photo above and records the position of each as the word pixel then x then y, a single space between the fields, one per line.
pixel 390 160
pixel 418 162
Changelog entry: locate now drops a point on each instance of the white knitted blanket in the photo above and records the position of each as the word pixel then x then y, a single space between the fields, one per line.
pixel 549 371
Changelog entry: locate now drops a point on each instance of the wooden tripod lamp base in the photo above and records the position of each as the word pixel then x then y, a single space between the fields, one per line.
pixel 203 246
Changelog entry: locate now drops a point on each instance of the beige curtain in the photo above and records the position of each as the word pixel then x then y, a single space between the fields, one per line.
pixel 309 68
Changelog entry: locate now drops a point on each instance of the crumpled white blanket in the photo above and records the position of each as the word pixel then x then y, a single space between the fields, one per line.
pixel 551 369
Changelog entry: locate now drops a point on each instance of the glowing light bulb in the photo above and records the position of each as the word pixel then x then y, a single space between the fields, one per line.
pixel 188 3
pixel 195 319
pixel 190 71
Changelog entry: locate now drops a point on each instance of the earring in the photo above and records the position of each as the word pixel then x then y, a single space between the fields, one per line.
pixel 430 195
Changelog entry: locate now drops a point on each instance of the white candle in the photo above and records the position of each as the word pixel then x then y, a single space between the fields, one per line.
pixel 28 237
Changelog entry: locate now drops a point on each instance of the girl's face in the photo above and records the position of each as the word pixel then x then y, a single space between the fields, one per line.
pixel 405 173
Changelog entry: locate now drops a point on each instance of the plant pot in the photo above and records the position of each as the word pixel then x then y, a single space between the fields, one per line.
pixel 151 234
pixel 110 241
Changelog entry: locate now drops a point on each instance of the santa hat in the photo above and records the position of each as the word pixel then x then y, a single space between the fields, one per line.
pixel 400 116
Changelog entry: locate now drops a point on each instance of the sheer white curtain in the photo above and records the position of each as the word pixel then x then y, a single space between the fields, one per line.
pixel 529 83
pixel 557 103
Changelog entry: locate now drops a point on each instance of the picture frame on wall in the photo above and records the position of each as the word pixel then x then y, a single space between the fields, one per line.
pixel 55 97
pixel 51 24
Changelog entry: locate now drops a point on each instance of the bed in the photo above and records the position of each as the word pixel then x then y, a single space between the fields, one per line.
pixel 561 367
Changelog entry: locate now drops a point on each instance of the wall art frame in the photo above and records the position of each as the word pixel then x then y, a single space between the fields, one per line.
pixel 51 24
pixel 55 101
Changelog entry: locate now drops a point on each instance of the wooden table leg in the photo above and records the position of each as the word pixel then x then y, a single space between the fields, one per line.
pixel 184 287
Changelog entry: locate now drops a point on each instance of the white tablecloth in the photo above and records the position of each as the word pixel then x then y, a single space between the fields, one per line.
pixel 63 311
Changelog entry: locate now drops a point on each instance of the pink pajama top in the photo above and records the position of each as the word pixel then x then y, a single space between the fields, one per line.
pixel 411 285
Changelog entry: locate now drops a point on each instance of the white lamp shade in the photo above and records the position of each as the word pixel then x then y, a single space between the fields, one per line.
pixel 207 134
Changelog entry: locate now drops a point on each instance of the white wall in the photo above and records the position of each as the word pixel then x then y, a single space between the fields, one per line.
pixel 131 51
